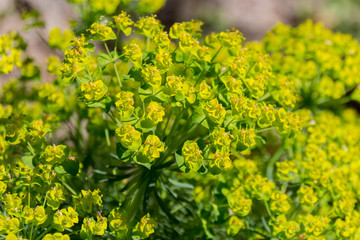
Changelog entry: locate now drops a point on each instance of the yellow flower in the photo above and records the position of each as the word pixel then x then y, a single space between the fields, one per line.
pixel 155 112
pixel 192 155
pixel 279 203
pixel 28 214
pixel 40 215
pixel 56 236
pixel 239 204
pixel 123 22
pixel 152 76
pixel 93 91
pixel 128 136
pixel 133 53
pixel 125 104
pixel 55 197
pixel 220 160
pixel 144 227
pixel 205 90
pixel 117 221
pixel 55 154
pixel 101 32
pixel 235 225
pixel 215 111
pixel 307 195
pixel 173 85
pixel 148 26
pixel 152 147
pixel 220 139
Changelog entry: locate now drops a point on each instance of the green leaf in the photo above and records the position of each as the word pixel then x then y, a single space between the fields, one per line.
pixel 105 103
pixel 67 80
pixel 180 184
pixel 126 77
pixel 103 60
pixel 260 139
pixel 147 91
pixel 214 213
pixel 218 68
pixel 240 146
pixel 89 47
pixel 180 162
pixel 147 124
pixel 71 167
pixel 197 69
pixel 28 160
pixel 141 159
pixel 198 115
pixel 223 99
pixel 59 169
pixel 205 124
pixel 179 96
pixel 178 56
pixel 123 153
pixel 179 159
pixel 203 169
pixel 99 37
pixel 83 79
pixel 127 31
pixel 206 230
pixel 96 105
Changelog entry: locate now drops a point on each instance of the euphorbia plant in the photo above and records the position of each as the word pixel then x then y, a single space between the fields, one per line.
pixel 168 135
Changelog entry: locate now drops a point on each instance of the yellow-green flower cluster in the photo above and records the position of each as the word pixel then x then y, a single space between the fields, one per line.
pixel 10 52
pixel 93 91
pixel 76 58
pixel 65 218
pixel 60 40
pixel 128 136
pixel 320 63
pixel 55 154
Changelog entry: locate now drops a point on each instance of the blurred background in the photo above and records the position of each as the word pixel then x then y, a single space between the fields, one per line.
pixel 254 18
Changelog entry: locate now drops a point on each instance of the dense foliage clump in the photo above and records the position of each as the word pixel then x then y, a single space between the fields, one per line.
pixel 152 134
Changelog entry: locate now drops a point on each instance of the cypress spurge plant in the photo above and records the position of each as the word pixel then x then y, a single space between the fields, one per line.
pixel 167 135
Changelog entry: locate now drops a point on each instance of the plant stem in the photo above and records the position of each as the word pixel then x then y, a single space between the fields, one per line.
pixel 213 58
pixel 264 129
pixel 113 61
pixel 271 163
pixel 267 208
pixel 45 232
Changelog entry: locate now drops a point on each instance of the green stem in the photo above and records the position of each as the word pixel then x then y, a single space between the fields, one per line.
pixel 265 96
pixel 31 149
pixel 113 61
pixel 117 75
pixel 258 232
pixel 213 58
pixel 165 208
pixel 68 187
pixel 107 137
pixel 45 232
pixel 31 231
pixel 267 208
pixel 117 38
pixel 166 124
pixel 147 43
pixel 114 119
pixel 35 231
pixel 264 129
pixel 271 163
pixel 266 225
